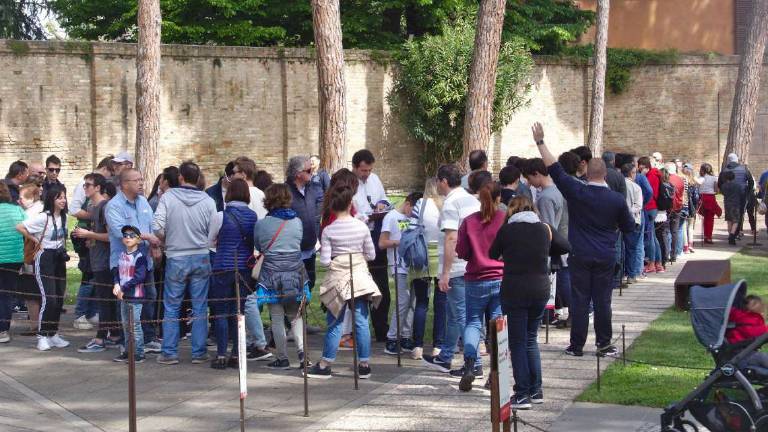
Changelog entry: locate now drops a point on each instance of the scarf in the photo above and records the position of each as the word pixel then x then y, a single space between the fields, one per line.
pixel 282 213
pixel 524 216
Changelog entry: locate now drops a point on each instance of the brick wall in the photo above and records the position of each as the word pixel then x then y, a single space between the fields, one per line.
pixel 78 99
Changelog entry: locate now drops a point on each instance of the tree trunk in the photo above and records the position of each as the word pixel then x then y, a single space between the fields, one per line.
pixel 595 141
pixel 744 108
pixel 326 21
pixel 482 77
pixel 148 90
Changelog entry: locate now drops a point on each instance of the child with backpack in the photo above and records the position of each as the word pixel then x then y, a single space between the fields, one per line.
pixel 395 223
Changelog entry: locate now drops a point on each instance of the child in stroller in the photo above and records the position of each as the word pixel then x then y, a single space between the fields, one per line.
pixel 747 322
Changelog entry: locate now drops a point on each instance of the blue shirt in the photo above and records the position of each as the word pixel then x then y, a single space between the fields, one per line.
pixel 121 212
pixel 645 186
pixel 763 180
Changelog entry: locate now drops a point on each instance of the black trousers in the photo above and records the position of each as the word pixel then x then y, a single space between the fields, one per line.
pixel 51 273
pixel 109 319
pixel 591 281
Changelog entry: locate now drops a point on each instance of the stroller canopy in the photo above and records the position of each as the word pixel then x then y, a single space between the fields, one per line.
pixel 710 308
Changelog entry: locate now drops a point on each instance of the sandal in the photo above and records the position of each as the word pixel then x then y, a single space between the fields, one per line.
pixel 219 363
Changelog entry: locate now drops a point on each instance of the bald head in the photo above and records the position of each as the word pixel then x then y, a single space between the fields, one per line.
pixel 596 170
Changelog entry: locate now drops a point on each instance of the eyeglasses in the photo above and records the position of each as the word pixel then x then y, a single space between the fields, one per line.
pixel 56 170
pixel 138 180
pixel 130 235
pixel 87 185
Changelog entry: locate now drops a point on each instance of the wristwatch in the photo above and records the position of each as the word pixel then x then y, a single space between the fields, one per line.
pixel 540 142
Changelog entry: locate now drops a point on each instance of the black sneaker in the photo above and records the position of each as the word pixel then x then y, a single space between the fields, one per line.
pixel 537 397
pixel 607 351
pixel 317 372
pixel 302 359
pixel 520 402
pixel 573 351
pixel 458 373
pixel 391 347
pixel 407 345
pixel 258 354
pixel 233 362
pixel 122 358
pixel 219 363
pixel 363 372
pixel 280 364
pixel 139 359
pixel 435 363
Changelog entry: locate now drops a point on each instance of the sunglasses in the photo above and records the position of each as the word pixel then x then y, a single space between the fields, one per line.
pixel 130 235
pixel 56 170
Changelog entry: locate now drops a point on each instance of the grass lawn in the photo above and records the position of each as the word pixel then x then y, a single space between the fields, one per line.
pixel 670 340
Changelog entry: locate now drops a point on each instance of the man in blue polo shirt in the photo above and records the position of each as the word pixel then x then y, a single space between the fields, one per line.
pixel 595 216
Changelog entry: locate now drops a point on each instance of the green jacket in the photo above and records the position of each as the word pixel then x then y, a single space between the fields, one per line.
pixel 11 242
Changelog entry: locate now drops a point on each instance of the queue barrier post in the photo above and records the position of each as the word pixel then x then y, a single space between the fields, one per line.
pixel 131 371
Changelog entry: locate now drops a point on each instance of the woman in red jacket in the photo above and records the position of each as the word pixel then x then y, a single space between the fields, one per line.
pixel 749 324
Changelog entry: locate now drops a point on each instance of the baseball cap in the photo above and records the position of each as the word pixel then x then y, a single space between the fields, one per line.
pixel 130 228
pixel 123 157
pixel 657 156
pixel 733 157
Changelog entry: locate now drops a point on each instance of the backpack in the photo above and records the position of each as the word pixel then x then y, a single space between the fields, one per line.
pixel 413 244
pixel 666 196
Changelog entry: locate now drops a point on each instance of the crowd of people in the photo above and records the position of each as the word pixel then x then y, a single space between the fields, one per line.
pixel 547 238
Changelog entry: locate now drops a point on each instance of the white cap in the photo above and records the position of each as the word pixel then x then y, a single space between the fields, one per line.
pixel 733 157
pixel 657 156
pixel 123 157
pixel 671 167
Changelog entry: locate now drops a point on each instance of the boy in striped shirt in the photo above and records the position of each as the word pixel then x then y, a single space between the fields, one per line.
pixel 129 276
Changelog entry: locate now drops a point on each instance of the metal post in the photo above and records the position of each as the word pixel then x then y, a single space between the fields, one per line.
pixel 240 354
pixel 624 344
pixel 757 224
pixel 546 325
pixel 514 419
pixel 131 372
pixel 397 311
pixel 306 358
pixel 598 372
pixel 354 327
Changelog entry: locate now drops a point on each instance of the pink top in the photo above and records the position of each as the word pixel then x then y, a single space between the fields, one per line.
pixel 473 243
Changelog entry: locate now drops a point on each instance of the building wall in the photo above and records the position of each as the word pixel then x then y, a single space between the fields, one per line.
pixel 684 25
pixel 218 103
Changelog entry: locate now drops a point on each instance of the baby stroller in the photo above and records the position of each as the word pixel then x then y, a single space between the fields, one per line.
pixel 727 400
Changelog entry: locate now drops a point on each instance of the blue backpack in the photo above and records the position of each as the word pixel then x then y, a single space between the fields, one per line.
pixel 413 244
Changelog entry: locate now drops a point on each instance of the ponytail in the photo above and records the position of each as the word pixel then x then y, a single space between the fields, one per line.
pixel 488 195
pixel 340 198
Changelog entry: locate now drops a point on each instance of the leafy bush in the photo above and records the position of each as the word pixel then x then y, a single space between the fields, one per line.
pixel 431 85
pixel 547 26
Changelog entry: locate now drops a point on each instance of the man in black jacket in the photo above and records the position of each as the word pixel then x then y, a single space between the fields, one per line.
pixel 219 190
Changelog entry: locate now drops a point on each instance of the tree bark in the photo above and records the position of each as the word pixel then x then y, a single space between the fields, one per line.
pixel 482 77
pixel 148 89
pixel 744 108
pixel 595 142
pixel 326 21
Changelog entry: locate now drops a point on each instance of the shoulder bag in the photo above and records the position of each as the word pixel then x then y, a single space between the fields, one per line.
pixel 256 271
pixel 31 248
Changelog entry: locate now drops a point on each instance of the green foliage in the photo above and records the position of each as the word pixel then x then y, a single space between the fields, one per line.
pixel 621 61
pixel 430 90
pixel 20 19
pixel 547 26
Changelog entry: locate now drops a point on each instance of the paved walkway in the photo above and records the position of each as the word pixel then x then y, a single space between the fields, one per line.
pixel 64 390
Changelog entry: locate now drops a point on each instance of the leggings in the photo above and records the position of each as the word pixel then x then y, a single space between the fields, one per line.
pixel 279 311
pixel 51 273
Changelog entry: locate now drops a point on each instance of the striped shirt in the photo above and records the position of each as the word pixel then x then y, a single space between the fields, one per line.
pixel 348 235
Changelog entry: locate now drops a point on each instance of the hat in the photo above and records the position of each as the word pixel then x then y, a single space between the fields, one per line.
pixel 657 156
pixel 123 157
pixel 733 157
pixel 688 165
pixel 130 228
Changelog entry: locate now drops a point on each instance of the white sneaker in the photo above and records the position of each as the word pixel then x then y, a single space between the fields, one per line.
pixel 5 337
pixel 94 320
pixel 435 352
pixel 417 353
pixel 58 342
pixel 82 324
pixel 43 343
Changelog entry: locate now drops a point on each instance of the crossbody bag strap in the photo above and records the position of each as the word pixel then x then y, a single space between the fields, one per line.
pixel 274 237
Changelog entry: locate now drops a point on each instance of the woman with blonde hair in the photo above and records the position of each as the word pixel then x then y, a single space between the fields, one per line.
pixel 525 245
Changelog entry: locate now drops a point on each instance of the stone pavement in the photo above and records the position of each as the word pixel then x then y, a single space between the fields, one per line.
pixel 64 390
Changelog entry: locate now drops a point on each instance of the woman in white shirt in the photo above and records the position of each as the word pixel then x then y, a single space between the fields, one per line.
pixel 49 230
pixel 709 207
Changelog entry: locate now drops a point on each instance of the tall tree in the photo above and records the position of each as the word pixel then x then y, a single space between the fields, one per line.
pixel 20 19
pixel 595 142
pixel 148 89
pixel 482 76
pixel 744 108
pixel 326 20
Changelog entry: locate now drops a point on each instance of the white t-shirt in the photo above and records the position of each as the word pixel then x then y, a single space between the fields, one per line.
pixel 372 188
pixel 430 219
pixel 395 223
pixel 458 205
pixel 55 233
pixel 257 202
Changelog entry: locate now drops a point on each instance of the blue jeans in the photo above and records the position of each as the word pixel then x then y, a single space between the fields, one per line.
pixel 523 320
pixel 149 310
pixel 420 288
pixel 680 237
pixel 457 318
pixel 85 307
pixel 253 324
pixel 480 296
pixel 439 318
pixel 363 333
pixel 633 252
pixel 225 321
pixel 138 334
pixel 184 273
pixel 652 246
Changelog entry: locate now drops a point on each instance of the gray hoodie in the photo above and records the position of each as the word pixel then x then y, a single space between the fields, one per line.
pixel 183 216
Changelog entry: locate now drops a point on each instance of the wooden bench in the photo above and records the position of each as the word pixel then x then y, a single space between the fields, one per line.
pixel 706 273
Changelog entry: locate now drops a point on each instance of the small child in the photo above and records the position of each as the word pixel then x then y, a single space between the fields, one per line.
pixel 732 193
pixel 129 276
pixel 749 324
pixel 395 222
